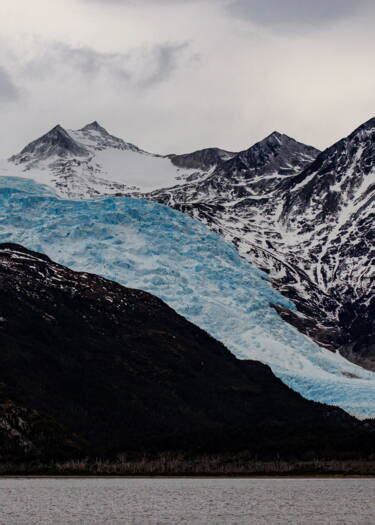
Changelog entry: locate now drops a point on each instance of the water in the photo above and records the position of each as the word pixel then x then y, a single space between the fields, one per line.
pixel 174 501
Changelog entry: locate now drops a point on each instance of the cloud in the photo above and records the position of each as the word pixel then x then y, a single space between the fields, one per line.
pixel 141 67
pixel 134 69
pixel 297 15
pixel 8 90
pixel 166 60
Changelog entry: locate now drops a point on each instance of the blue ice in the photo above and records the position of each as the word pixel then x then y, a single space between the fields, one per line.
pixel 149 246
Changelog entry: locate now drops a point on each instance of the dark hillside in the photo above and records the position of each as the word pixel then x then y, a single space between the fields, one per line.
pixel 90 367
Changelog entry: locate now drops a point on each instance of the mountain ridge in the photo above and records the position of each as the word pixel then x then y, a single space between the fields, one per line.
pixel 262 199
pixel 278 223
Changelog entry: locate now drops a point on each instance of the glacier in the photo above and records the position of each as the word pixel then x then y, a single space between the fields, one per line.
pixel 149 246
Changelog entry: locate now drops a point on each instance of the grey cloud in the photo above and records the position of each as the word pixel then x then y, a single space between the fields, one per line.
pixel 8 90
pixel 85 60
pixel 141 67
pixel 295 14
pixel 166 60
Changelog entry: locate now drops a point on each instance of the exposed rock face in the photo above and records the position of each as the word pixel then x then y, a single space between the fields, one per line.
pixel 203 159
pixel 308 222
pixel 116 369
pixel 55 143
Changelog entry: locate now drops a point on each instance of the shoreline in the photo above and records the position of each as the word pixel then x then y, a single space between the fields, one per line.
pixel 187 476
pixel 170 465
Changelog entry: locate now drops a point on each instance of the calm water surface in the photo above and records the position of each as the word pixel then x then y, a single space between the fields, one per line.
pixel 175 501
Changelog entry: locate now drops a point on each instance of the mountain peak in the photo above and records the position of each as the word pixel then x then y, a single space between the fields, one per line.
pixel 94 126
pixel 55 132
pixel 277 142
pixel 278 138
pixel 57 142
pixel 58 128
pixel 275 138
pixel 95 137
pixel 274 141
pixel 275 153
pixel 276 135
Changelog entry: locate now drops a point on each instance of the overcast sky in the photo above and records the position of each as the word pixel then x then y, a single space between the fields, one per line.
pixel 179 75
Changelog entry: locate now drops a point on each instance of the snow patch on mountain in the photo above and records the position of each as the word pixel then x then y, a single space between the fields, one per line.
pixel 90 162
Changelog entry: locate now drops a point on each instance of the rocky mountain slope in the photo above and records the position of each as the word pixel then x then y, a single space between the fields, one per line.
pixel 145 245
pixel 304 217
pixel 309 223
pixel 105 369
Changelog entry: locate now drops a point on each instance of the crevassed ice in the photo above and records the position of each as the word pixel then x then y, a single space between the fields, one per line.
pixel 149 246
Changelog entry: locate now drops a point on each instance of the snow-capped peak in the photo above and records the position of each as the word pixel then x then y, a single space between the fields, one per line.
pixel 275 136
pixel 276 153
pixel 55 143
pixel 279 140
pixel 90 161
pixel 96 138
pixel 94 126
